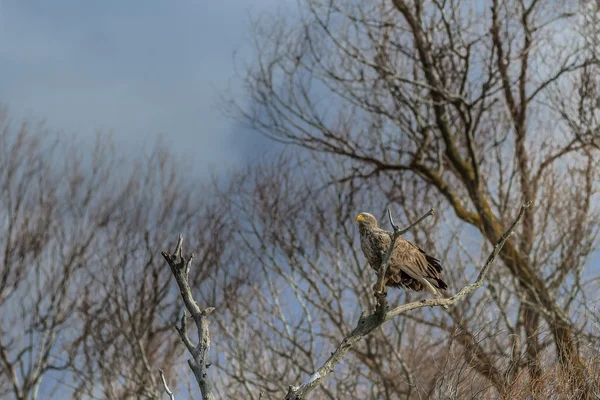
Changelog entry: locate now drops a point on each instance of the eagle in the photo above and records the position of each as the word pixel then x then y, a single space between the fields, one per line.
pixel 409 266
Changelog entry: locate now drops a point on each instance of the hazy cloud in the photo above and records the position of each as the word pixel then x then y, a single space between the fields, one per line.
pixel 139 68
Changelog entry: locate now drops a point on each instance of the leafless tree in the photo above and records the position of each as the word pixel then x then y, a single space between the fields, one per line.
pixel 87 311
pixel 45 246
pixel 486 106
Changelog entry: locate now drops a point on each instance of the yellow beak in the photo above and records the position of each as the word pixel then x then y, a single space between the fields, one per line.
pixel 359 218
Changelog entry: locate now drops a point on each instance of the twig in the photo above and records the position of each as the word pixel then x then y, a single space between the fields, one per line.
pixel 380 292
pixel 180 267
pixel 164 381
pixel 403 231
pixel 369 323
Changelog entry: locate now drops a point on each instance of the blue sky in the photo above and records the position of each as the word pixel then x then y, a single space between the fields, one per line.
pixel 136 68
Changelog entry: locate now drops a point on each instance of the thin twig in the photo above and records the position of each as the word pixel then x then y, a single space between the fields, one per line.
pixel 403 231
pixel 164 381
pixel 371 322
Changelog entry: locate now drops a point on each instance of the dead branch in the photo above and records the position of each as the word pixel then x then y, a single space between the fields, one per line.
pixel 368 324
pixel 180 267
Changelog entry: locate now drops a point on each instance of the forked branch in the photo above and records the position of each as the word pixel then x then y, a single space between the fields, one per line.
pixel 180 267
pixel 371 322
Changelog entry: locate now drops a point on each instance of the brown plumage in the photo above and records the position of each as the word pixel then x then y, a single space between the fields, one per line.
pixel 409 267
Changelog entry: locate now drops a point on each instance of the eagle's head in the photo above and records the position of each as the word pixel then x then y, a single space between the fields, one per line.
pixel 366 220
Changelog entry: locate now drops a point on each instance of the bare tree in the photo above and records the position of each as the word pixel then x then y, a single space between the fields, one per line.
pixel 45 245
pixel 487 105
pixel 131 308
pixel 86 309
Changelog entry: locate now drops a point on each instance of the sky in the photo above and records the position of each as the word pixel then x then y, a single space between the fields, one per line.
pixel 137 69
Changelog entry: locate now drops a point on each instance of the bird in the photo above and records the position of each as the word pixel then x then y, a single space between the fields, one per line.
pixel 409 266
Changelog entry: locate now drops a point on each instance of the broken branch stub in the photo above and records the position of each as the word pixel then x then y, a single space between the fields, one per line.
pixel 180 267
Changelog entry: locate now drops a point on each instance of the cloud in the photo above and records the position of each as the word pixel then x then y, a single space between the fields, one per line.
pixel 137 68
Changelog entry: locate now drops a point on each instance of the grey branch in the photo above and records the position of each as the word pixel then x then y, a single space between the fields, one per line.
pixel 371 322
pixel 164 381
pixel 180 267
pixel 400 232
pixel 380 285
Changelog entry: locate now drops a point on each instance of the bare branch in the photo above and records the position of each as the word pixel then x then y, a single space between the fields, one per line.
pixel 180 267
pixel 403 231
pixel 164 381
pixel 368 324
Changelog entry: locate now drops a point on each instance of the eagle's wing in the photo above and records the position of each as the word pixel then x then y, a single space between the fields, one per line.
pixel 432 261
pixel 415 263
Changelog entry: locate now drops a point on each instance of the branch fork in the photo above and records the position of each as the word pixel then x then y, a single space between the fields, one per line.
pixel 180 267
